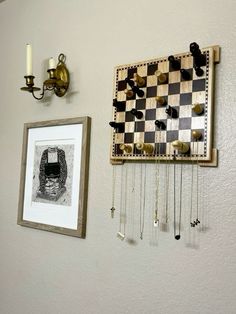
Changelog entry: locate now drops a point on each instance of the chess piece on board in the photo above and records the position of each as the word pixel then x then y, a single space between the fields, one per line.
pixel 182 147
pixel 119 105
pixel 185 75
pixel 140 81
pixel 196 135
pixel 129 81
pixel 199 59
pixel 199 71
pixel 147 148
pixel 174 63
pixel 129 93
pixel 118 126
pixel 160 100
pixel 172 112
pixel 160 125
pixel 138 91
pixel 126 148
pixel 197 108
pixel 138 114
pixel 162 77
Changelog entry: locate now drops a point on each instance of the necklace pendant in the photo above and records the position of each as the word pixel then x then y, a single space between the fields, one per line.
pixel 156 220
pixel 120 235
pixel 112 211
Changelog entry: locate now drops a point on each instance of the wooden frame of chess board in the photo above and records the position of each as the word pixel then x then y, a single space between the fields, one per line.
pixel 210 155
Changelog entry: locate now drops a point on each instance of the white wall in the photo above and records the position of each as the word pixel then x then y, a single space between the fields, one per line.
pixel 43 272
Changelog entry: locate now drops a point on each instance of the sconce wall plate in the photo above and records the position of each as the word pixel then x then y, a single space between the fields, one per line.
pixel 63 78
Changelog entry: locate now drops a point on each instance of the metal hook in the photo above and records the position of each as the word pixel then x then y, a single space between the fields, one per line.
pixel 61 58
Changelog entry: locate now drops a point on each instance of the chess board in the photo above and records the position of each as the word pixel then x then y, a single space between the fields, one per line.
pixel 178 93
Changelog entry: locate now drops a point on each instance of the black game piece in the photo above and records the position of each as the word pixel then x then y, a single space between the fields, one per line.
pixel 129 81
pixel 119 105
pixel 160 125
pixel 172 112
pixel 185 75
pixel 136 113
pixel 174 63
pixel 194 49
pixel 199 71
pixel 138 91
pixel 118 126
pixel 177 237
pixel 199 58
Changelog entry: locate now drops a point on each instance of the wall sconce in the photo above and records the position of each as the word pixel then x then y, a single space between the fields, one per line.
pixel 58 80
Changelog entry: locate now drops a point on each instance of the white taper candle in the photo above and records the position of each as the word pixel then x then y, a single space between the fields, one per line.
pixel 52 64
pixel 29 63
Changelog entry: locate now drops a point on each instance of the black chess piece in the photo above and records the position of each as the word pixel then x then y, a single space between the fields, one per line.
pixel 138 114
pixel 119 105
pixel 177 237
pixel 185 75
pixel 174 63
pixel 199 71
pixel 129 81
pixel 194 49
pixel 118 126
pixel 138 91
pixel 172 112
pixel 160 125
pixel 198 57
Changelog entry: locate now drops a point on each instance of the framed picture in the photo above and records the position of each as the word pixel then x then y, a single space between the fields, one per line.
pixel 54 176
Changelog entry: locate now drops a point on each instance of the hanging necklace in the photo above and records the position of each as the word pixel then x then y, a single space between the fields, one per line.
pixel 192 224
pixel 167 168
pixel 113 191
pixel 166 190
pixel 132 203
pixel 113 187
pixel 195 222
pixel 177 235
pixel 142 199
pixel 121 233
pixel 167 176
pixel 157 202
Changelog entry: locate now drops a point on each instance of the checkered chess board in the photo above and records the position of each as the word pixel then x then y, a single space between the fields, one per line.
pixel 179 94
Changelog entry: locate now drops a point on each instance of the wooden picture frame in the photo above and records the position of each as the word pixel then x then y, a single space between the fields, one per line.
pixel 54 176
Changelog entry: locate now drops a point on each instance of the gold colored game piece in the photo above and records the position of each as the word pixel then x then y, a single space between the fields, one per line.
pixel 181 146
pixel 125 148
pixel 129 93
pixel 196 134
pixel 160 100
pixel 139 80
pixel 162 78
pixel 147 148
pixel 197 108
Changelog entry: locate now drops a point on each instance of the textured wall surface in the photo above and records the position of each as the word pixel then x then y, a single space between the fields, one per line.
pixel 42 272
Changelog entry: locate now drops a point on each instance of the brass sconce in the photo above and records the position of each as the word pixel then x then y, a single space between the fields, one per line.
pixel 58 80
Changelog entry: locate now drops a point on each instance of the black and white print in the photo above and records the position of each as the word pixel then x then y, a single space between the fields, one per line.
pixel 53 174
